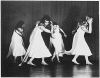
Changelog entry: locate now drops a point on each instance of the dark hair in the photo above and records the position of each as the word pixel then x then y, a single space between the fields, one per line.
pixel 90 16
pixel 19 25
pixel 81 22
pixel 46 17
pixel 54 23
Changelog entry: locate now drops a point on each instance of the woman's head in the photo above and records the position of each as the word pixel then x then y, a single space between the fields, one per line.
pixel 82 23
pixel 55 25
pixel 45 20
pixel 85 21
pixel 20 30
pixel 88 17
pixel 20 24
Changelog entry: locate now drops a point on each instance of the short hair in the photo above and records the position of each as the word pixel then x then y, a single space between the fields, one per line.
pixel 80 22
pixel 46 17
pixel 19 24
pixel 54 23
pixel 90 16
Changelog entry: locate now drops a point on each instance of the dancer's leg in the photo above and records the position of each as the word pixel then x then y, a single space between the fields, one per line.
pixel 21 58
pixel 58 58
pixel 74 59
pixel 53 56
pixel 30 61
pixel 15 59
pixel 87 60
pixel 43 62
pixel 24 60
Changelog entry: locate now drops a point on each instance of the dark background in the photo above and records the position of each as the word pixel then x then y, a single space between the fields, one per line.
pixel 65 13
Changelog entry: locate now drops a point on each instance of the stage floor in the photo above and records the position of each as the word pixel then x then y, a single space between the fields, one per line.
pixel 63 69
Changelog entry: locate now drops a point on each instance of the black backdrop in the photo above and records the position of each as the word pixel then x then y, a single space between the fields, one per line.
pixel 65 13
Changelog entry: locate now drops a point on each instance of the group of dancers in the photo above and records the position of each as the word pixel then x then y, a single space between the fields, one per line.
pixel 37 47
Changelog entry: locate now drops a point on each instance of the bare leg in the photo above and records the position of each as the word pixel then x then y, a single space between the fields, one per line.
pixel 25 58
pixel 74 59
pixel 15 59
pixel 87 60
pixel 53 56
pixel 58 58
pixel 43 62
pixel 21 58
pixel 30 61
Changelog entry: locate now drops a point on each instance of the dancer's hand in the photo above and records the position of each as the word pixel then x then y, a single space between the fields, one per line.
pixel 51 22
pixel 37 23
pixel 20 64
pixel 90 20
pixel 65 35
pixel 53 36
pixel 73 31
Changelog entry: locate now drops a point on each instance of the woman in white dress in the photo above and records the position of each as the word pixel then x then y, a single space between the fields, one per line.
pixel 57 41
pixel 80 47
pixel 17 47
pixel 37 47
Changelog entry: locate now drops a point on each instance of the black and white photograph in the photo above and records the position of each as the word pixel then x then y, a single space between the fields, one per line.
pixel 49 38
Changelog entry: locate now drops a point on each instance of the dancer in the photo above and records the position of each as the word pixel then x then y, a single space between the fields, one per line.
pixel 80 47
pixel 17 47
pixel 57 41
pixel 37 47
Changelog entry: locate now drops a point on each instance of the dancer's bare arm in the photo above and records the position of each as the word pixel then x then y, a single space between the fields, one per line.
pixel 63 32
pixel 44 29
pixel 90 26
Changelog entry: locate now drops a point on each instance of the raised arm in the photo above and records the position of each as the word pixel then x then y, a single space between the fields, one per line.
pixel 90 24
pixel 51 27
pixel 90 20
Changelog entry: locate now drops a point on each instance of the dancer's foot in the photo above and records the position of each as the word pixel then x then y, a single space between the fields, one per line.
pixel 20 64
pixel 31 63
pixel 74 61
pixel 52 59
pixel 58 61
pixel 44 63
pixel 89 63
pixel 25 61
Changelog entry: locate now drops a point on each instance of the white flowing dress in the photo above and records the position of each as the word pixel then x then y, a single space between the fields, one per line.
pixel 81 47
pixel 57 42
pixel 37 47
pixel 16 46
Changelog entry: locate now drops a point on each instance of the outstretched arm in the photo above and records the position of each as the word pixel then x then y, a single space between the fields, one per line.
pixel 63 32
pixel 75 29
pixel 44 29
